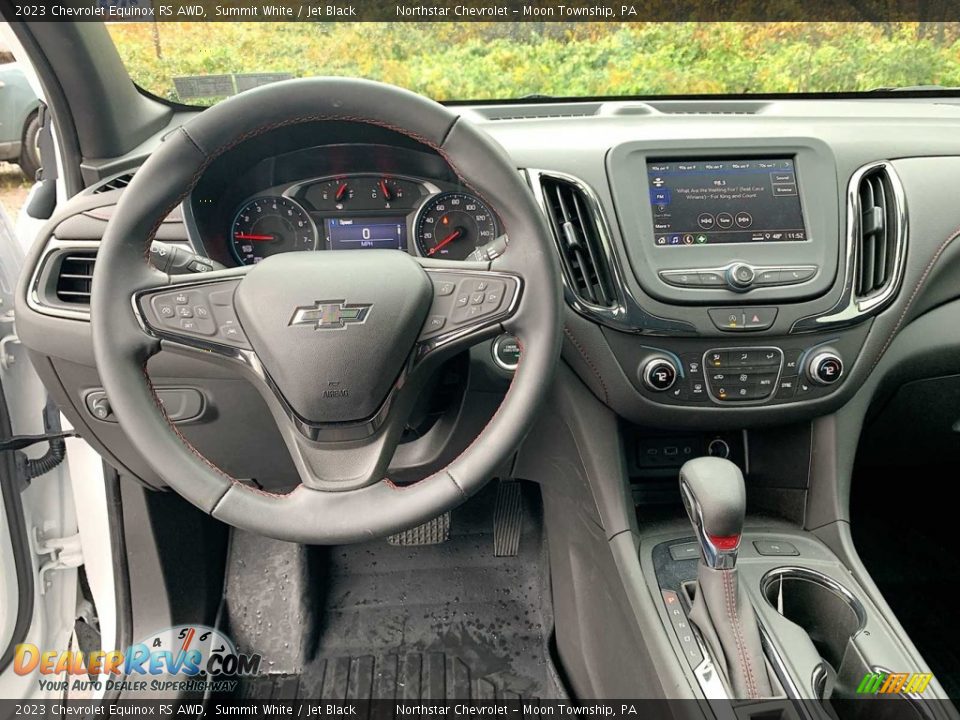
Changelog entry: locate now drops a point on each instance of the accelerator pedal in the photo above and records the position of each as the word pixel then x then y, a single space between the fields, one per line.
pixel 507 519
pixel 432 532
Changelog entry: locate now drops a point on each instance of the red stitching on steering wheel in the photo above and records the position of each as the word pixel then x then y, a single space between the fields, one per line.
pixel 249 135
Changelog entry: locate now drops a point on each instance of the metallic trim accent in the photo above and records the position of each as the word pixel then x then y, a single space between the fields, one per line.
pixel 494 348
pixel 330 314
pixel 649 368
pixel 814 576
pixel 55 247
pixel 627 314
pixel 738 403
pixel 850 309
pixel 425 347
pixel 819 357
pixel 725 269
pixel 713 556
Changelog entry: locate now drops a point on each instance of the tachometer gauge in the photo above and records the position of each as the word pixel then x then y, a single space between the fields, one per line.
pixel 266 226
pixel 452 225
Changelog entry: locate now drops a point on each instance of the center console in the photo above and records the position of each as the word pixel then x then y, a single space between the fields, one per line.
pixel 764 613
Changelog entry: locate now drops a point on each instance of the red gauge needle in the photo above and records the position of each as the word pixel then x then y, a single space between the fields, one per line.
pixel 341 191
pixel 255 238
pixel 446 241
pixel 387 195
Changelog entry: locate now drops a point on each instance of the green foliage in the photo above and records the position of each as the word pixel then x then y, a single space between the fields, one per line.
pixel 507 60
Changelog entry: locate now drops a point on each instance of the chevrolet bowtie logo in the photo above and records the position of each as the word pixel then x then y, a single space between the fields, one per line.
pixel 330 314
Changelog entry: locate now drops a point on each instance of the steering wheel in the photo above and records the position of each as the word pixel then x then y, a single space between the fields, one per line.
pixel 339 343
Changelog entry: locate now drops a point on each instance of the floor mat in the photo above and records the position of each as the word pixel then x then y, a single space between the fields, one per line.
pixel 447 621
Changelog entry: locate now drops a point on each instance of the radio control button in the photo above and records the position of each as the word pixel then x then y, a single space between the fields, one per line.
pixel 681 278
pixel 740 276
pixel 767 276
pixel 793 275
pixel 712 278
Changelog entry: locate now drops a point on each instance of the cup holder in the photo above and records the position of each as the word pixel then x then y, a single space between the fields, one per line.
pixel 827 611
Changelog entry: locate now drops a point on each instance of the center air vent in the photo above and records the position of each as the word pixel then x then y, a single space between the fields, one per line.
pixel 582 255
pixel 75 277
pixel 878 241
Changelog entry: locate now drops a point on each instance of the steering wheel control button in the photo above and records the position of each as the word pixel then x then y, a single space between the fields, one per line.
pixel 445 288
pixel 196 312
pixel 743 319
pixel 435 323
pixel 471 299
pixel 506 352
pixel 825 368
pixel 659 374
pixel 740 276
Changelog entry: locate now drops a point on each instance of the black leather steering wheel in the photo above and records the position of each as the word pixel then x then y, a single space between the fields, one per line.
pixel 339 343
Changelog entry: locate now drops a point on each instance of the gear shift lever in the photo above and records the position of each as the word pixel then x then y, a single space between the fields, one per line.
pixel 713 494
pixel 715 499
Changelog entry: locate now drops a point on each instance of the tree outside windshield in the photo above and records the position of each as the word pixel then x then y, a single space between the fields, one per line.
pixel 486 61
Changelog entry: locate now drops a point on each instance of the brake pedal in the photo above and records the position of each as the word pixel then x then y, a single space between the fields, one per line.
pixel 432 532
pixel 507 519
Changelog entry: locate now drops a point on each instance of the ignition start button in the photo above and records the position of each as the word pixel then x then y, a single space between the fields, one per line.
pixel 506 352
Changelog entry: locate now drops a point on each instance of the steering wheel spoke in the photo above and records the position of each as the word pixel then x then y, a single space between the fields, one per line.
pixel 470 304
pixel 196 314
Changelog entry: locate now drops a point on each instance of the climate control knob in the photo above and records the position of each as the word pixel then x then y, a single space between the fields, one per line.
pixel 659 374
pixel 825 368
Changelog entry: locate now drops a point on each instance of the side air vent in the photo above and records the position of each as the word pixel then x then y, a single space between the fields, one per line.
pixel 118 182
pixel 878 241
pixel 75 277
pixel 582 254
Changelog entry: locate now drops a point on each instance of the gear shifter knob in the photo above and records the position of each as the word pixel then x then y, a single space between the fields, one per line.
pixel 715 499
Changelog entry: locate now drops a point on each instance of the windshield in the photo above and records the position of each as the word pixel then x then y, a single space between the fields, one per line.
pixel 200 63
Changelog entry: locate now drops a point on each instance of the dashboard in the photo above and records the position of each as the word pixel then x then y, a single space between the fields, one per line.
pixel 730 330
pixel 378 197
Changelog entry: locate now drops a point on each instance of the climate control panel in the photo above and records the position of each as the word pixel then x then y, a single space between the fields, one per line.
pixel 697 372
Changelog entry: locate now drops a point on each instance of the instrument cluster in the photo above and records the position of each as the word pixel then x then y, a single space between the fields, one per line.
pixel 358 212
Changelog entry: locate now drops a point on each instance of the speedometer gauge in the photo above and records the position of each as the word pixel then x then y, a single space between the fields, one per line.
pixel 266 226
pixel 452 225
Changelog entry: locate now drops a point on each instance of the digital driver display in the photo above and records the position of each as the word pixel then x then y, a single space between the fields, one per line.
pixel 706 202
pixel 355 233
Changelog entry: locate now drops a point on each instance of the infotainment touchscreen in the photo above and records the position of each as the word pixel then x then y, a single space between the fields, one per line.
pixel 704 202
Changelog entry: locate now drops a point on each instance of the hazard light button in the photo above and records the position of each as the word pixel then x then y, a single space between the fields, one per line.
pixel 741 319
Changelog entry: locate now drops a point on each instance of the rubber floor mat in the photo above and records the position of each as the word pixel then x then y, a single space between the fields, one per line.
pixel 434 622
